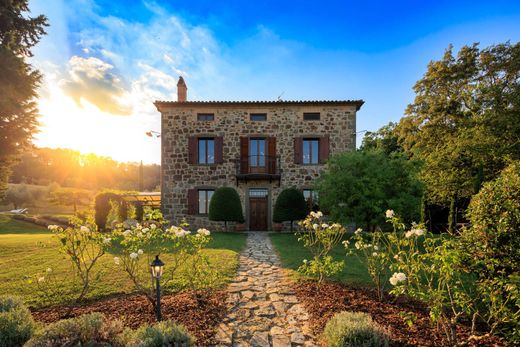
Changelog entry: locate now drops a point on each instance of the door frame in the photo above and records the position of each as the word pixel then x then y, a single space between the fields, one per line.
pixel 269 206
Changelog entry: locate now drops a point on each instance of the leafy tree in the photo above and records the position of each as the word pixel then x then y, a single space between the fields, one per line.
pixel 225 206
pixel 289 206
pixel 463 124
pixel 18 195
pixel 71 196
pixel 360 186
pixel 385 139
pixel 18 82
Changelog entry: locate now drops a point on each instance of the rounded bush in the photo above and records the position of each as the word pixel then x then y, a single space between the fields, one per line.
pixel 165 333
pixel 354 329
pixel 16 322
pixel 87 330
pixel 289 206
pixel 225 206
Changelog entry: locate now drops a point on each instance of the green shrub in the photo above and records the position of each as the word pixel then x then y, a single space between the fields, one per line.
pixel 165 333
pixel 490 249
pixel 87 330
pixel 225 206
pixel 108 202
pixel 354 329
pixel 290 206
pixel 16 322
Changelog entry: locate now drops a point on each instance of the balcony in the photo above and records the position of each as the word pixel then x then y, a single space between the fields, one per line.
pixel 258 167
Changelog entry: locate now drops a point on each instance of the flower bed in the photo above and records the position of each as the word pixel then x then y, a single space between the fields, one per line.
pixel 199 312
pixel 332 298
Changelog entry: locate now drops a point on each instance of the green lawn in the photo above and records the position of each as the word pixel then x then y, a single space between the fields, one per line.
pixel 27 251
pixel 292 253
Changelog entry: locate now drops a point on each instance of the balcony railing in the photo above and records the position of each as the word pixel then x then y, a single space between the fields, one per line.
pixel 258 167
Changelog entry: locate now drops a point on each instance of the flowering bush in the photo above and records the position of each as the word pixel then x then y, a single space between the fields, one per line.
pixel 432 275
pixel 83 244
pixel 320 238
pixel 141 242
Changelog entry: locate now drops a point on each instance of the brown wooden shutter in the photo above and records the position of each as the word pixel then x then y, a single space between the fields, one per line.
pixel 244 155
pixel 219 150
pixel 298 150
pixel 324 149
pixel 193 201
pixel 271 155
pixel 193 149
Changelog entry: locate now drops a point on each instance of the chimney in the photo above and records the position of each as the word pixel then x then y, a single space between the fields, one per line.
pixel 182 90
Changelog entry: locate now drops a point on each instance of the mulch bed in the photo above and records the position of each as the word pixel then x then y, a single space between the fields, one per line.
pixel 200 313
pixel 330 298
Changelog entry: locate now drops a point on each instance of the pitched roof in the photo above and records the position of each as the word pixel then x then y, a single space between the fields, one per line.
pixel 357 103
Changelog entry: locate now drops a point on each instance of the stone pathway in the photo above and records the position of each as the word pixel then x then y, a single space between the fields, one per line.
pixel 262 309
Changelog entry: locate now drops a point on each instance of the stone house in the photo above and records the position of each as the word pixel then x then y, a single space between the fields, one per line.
pixel 257 147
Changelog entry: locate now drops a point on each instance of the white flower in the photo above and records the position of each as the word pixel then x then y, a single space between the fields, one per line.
pixel 117 260
pixel 409 233
pixel 315 226
pixel 49 270
pixel 203 231
pixel 374 254
pixel 153 226
pixel 324 225
pixel 419 232
pixel 389 213
pixel 376 248
pixel 358 231
pixel 319 214
pixel 181 232
pixel 127 232
pixel 396 257
pixel 346 243
pixel 107 240
pixel 52 227
pixel 41 279
pixel 140 252
pixel 313 214
pixel 358 244
pixel 397 277
pixel 305 261
pixel 84 229
pixel 145 230
pixel 133 255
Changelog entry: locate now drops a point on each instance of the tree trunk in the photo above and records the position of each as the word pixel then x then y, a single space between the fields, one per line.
pixel 452 216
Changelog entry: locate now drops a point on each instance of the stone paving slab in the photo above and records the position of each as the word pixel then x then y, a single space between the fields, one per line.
pixel 262 310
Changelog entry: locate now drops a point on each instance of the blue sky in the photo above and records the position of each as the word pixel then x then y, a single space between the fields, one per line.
pixel 105 62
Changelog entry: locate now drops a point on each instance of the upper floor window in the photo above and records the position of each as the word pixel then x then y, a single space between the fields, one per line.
pixel 257 152
pixel 311 116
pixel 206 150
pixel 311 151
pixel 204 199
pixel 205 116
pixel 258 117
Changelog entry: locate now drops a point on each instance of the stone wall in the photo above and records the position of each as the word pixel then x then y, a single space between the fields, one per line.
pixel 232 122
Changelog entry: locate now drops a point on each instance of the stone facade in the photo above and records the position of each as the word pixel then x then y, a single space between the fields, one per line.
pixel 231 122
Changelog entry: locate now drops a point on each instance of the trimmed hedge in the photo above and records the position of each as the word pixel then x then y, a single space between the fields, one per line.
pixel 225 206
pixel 290 206
pixel 354 329
pixel 16 322
pixel 166 333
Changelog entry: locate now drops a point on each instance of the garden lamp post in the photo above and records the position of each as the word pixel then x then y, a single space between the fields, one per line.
pixel 157 270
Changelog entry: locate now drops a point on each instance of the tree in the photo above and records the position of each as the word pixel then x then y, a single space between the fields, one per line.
pixel 225 206
pixel 463 124
pixel 384 139
pixel 70 196
pixel 289 206
pixel 18 195
pixel 18 82
pixel 358 187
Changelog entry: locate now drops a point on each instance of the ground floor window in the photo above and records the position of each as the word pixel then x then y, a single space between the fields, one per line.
pixel 204 199
pixel 311 198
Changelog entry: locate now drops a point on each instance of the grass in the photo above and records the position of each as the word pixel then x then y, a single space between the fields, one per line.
pixel 27 251
pixel 292 253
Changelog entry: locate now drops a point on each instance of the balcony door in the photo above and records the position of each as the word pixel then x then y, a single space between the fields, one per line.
pixel 257 155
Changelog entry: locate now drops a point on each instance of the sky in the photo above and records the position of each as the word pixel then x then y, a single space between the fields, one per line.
pixel 105 61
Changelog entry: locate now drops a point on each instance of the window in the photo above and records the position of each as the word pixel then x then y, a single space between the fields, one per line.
pixel 311 116
pixel 258 117
pixel 206 150
pixel 204 199
pixel 310 151
pixel 311 198
pixel 258 193
pixel 205 116
pixel 257 152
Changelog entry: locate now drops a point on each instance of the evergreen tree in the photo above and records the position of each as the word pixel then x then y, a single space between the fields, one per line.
pixel 289 206
pixel 18 82
pixel 225 206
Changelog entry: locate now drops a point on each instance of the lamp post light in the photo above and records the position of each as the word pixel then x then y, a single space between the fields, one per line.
pixel 157 269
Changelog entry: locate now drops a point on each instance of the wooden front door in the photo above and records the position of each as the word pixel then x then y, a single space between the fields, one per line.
pixel 258 213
